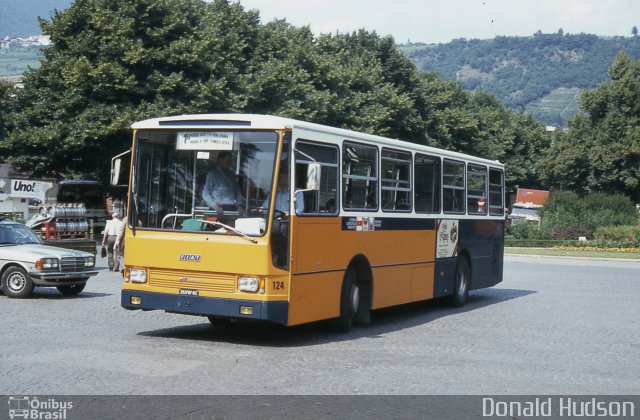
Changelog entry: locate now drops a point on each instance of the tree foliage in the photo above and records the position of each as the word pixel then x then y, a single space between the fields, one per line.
pixel 6 106
pixel 114 62
pixel 601 152
pixel 567 212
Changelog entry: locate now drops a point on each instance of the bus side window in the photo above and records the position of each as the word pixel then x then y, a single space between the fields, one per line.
pixel 396 181
pixel 453 187
pixel 324 201
pixel 427 184
pixel 496 192
pixel 359 177
pixel 477 189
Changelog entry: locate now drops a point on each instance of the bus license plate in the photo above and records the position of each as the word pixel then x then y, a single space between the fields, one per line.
pixel 189 292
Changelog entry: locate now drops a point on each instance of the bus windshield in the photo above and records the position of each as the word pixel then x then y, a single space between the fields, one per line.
pixel 203 180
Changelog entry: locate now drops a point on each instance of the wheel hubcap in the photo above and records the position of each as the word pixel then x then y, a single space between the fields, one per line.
pixel 16 282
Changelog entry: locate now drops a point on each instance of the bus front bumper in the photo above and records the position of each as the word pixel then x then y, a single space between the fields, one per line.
pixel 195 305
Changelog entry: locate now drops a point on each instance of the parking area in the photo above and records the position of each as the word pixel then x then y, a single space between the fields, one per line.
pixel 553 326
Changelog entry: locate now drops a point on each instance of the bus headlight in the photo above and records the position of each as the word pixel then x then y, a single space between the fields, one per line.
pixel 248 284
pixel 137 275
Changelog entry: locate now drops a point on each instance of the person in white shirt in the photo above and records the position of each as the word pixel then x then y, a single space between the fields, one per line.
pixel 112 240
pixel 282 196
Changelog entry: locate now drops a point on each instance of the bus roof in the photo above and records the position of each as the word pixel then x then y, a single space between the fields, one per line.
pixel 79 182
pixel 270 122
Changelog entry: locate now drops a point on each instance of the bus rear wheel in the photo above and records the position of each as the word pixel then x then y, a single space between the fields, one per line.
pixel 349 301
pixel 461 283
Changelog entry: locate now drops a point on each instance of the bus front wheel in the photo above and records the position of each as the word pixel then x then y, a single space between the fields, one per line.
pixel 461 283
pixel 217 321
pixel 349 301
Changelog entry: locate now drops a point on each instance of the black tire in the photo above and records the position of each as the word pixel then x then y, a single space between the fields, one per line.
pixel 219 322
pixel 461 283
pixel 349 301
pixel 72 289
pixel 16 283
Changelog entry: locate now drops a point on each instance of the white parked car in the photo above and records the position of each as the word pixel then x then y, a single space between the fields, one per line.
pixel 25 263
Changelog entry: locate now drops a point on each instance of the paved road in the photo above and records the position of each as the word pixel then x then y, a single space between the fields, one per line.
pixel 553 326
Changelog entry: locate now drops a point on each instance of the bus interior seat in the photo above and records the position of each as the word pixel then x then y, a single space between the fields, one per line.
pixel 193 225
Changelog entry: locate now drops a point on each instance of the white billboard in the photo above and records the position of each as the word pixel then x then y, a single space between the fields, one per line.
pixel 24 188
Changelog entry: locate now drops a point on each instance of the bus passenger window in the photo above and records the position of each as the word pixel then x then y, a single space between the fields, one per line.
pixel 396 181
pixel 453 191
pixel 496 192
pixel 359 177
pixel 427 184
pixel 477 189
pixel 322 202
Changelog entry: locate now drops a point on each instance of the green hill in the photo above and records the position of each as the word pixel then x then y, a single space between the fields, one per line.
pixel 542 73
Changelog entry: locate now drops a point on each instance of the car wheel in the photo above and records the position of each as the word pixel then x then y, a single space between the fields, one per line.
pixel 72 289
pixel 16 283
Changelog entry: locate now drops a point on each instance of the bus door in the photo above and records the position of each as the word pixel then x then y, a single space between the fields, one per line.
pixel 149 187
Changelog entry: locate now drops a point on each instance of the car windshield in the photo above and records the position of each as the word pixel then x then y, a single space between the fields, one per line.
pixel 15 234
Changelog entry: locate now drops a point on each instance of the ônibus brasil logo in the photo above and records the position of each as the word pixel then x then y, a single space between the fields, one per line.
pixel 35 408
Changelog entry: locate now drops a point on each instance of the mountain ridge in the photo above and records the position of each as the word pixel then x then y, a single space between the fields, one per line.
pixel 20 18
pixel 543 73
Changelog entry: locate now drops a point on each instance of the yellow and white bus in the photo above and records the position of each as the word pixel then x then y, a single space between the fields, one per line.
pixel 236 216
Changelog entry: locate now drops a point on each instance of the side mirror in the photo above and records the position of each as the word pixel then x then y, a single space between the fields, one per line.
pixel 117 170
pixel 314 172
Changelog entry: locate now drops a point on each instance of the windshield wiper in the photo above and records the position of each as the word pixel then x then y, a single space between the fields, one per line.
pixel 234 230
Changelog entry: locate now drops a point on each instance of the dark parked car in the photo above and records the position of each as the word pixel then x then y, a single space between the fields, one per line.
pixel 25 262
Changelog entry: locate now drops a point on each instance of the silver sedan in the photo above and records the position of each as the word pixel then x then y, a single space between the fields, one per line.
pixel 25 263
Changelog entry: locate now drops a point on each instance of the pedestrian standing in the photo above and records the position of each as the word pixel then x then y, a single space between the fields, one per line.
pixel 113 234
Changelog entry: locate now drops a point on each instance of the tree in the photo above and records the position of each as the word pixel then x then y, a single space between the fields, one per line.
pixel 113 62
pixel 601 153
pixel 6 106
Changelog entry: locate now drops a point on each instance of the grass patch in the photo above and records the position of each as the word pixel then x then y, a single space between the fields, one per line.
pixel 573 253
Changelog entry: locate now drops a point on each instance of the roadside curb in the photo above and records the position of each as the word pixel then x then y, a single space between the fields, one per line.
pixel 568 257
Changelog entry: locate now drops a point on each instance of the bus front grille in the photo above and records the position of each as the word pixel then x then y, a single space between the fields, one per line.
pixel 206 282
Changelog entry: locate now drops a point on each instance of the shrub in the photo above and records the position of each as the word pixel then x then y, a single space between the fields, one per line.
pixel 527 230
pixel 608 210
pixel 562 209
pixel 567 216
pixel 571 232
pixel 623 236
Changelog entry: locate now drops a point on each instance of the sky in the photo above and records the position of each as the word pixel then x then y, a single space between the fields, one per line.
pixel 440 21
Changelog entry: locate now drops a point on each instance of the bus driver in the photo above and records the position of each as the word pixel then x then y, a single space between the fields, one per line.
pixel 221 188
